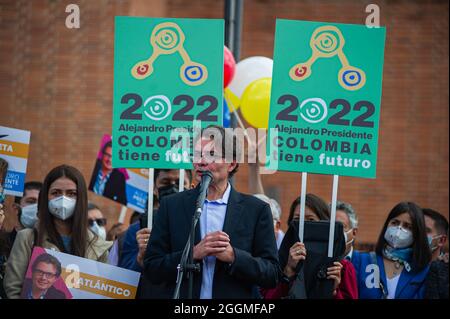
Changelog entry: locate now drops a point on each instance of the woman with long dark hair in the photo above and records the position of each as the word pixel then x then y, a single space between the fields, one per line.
pixel 398 267
pixel 62 225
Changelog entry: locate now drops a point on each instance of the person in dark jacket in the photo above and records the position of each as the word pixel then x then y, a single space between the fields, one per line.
pixel 234 242
pixel 107 181
pixel 437 282
pixel 137 235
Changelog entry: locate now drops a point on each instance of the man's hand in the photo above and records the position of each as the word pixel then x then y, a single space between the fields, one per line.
pixel 142 237
pixel 213 244
pixel 226 256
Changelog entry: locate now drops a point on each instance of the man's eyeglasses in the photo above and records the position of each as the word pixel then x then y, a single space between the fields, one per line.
pixel 107 155
pixel 41 273
pixel 100 222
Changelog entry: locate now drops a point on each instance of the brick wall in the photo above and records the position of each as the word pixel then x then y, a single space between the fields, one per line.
pixel 58 83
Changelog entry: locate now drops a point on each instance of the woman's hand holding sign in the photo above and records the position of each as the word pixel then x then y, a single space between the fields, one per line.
pixel 334 272
pixel 296 253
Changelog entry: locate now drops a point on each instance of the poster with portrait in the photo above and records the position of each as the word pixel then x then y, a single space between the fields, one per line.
pixel 326 98
pixel 14 148
pixel 43 278
pixel 56 275
pixel 168 83
pixel 128 187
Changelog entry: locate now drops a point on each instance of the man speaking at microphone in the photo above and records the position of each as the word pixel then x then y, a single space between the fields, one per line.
pixel 234 239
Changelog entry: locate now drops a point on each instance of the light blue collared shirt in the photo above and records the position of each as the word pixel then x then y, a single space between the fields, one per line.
pixel 280 238
pixel 100 182
pixel 211 220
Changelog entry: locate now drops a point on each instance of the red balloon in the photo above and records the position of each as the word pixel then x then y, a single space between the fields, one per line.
pixel 229 66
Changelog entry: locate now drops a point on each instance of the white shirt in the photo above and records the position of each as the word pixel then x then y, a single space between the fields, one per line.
pixel 280 237
pixel 392 286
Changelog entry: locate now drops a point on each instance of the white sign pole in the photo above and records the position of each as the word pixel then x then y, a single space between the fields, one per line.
pixel 151 186
pixel 123 213
pixel 301 223
pixel 181 182
pixel 333 215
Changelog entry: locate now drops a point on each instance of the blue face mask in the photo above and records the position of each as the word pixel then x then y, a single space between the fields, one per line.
pixel 28 218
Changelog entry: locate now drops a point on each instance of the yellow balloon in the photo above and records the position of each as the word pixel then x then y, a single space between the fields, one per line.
pixel 232 100
pixel 255 103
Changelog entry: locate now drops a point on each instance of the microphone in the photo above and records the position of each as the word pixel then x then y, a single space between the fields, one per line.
pixel 207 178
pixel 187 257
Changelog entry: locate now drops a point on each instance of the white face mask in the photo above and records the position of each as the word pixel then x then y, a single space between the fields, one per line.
pixel 99 230
pixel 62 207
pixel 28 216
pixel 346 237
pixel 398 237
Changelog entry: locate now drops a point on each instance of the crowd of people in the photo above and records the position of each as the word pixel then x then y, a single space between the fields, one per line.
pixel 240 249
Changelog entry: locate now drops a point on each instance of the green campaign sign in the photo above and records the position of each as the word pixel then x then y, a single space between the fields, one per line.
pixel 168 73
pixel 325 98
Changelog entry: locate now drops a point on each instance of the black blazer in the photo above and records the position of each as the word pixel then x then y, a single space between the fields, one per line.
pixel 249 224
pixel 115 187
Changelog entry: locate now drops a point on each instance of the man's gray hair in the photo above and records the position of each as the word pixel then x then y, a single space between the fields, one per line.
pixel 274 206
pixel 348 209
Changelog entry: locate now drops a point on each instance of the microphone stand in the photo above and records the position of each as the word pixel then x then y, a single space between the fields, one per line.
pixel 186 265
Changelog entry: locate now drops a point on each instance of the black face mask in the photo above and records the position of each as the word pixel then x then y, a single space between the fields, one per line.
pixel 167 190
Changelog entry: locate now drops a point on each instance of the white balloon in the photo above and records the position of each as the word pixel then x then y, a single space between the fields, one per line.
pixel 249 70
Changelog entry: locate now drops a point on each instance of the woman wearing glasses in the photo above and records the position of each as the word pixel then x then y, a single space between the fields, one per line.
pixel 97 222
pixel 62 225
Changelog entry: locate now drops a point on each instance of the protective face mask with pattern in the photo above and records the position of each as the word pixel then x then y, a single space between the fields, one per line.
pixel 62 207
pixel 398 237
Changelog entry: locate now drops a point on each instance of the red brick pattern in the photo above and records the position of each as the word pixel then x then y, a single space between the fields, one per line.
pixel 58 83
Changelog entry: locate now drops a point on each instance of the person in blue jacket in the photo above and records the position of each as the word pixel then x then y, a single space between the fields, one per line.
pixel 399 266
